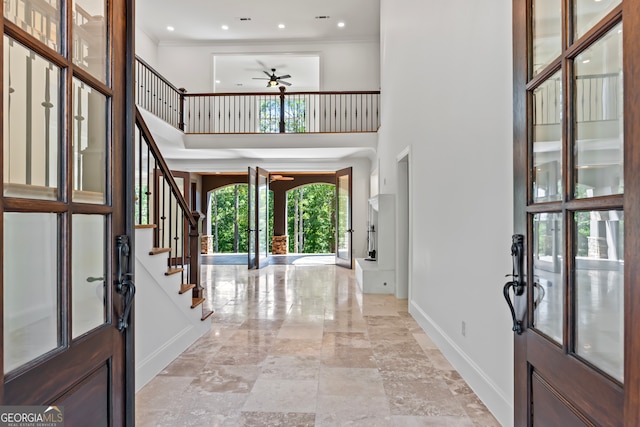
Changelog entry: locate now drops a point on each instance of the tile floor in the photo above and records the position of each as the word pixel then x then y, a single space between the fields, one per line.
pixel 300 345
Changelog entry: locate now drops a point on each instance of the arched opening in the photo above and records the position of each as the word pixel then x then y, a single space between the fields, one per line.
pixel 228 213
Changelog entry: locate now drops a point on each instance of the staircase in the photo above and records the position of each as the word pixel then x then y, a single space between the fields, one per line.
pixel 170 311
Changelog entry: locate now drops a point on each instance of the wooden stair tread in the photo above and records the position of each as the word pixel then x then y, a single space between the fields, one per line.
pixel 156 251
pixel 186 287
pixel 196 302
pixel 171 271
pixel 143 226
pixel 206 314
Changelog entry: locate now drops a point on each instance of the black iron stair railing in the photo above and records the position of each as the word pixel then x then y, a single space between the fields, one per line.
pixel 161 205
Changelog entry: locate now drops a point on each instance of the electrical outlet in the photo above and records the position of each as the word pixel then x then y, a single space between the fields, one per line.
pixel 464 328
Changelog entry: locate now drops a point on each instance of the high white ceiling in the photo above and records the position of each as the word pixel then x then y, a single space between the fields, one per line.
pixel 202 20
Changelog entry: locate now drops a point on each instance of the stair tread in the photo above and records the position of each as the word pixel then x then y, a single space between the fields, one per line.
pixel 186 287
pixel 156 251
pixel 142 226
pixel 171 271
pixel 196 302
pixel 206 314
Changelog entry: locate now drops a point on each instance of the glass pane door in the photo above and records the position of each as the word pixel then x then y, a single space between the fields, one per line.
pixel 343 218
pixel 262 216
pixel 570 206
pixel 251 222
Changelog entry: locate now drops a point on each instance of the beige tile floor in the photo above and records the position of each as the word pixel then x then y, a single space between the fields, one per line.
pixel 302 346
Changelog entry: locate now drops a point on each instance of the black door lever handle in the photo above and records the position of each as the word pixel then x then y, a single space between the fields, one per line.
pixel 517 283
pixel 517 324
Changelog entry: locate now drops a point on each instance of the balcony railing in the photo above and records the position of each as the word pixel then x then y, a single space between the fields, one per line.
pixel 596 97
pixel 156 94
pixel 259 112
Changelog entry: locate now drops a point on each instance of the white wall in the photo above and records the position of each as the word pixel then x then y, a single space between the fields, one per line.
pixel 446 92
pixel 343 66
pixel 146 48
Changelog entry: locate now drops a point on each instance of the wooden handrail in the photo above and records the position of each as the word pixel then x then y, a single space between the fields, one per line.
pixel 164 168
pixel 192 218
pixel 348 92
pixel 157 74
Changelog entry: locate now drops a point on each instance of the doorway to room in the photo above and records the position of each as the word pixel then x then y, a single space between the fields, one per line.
pixel 403 227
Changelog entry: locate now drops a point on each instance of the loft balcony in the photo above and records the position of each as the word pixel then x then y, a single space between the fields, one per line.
pixel 257 112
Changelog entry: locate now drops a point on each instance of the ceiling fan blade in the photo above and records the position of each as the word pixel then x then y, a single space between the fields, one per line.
pixel 267 74
pixel 260 78
pixel 262 64
pixel 284 83
pixel 286 76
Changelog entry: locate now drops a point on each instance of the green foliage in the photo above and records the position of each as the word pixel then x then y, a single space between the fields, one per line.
pixel 226 218
pixel 141 211
pixel 316 206
pixel 295 113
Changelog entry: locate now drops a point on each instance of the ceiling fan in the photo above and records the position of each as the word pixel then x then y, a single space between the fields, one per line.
pixel 273 79
pixel 276 177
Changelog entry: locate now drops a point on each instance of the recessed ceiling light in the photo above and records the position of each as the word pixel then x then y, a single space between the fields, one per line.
pixel 281 26
pixel 217 82
pixel 341 24
pixel 170 28
pixel 225 27
pixel 586 61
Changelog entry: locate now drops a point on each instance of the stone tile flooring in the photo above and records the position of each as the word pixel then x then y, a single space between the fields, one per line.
pixel 300 345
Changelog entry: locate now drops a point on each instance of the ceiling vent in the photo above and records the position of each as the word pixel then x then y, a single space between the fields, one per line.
pixel 245 19
pixel 323 17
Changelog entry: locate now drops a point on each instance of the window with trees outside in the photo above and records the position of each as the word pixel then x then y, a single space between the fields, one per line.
pixel 310 219
pixel 295 115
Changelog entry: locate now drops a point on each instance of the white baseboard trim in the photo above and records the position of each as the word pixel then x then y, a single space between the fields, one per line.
pixel 153 364
pixel 492 396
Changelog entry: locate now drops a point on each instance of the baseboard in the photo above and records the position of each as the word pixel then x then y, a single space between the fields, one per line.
pixel 493 397
pixel 153 364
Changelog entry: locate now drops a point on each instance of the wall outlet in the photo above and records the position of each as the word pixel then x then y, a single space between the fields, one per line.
pixel 464 328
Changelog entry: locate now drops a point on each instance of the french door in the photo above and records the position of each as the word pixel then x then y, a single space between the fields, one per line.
pixel 577 212
pixel 252 247
pixel 258 218
pixel 344 231
pixel 66 189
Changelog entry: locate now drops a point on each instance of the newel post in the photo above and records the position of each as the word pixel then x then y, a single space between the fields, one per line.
pixel 181 117
pixel 282 89
pixel 194 255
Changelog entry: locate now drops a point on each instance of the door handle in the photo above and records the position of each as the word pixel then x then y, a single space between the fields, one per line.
pixel 95 279
pixel 518 283
pixel 124 285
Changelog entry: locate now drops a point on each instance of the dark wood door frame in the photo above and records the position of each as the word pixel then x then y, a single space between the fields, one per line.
pixel 626 399
pixel 347 263
pixel 262 259
pixel 99 363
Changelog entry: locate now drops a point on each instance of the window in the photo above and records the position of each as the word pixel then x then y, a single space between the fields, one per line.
pixel 295 115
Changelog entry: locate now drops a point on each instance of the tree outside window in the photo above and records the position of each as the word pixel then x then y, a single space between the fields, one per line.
pixel 295 115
